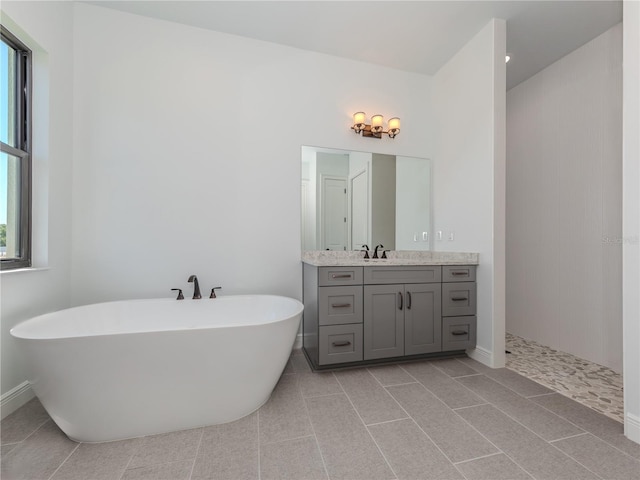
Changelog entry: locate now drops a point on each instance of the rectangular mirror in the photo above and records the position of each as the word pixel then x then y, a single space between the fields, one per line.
pixel 350 199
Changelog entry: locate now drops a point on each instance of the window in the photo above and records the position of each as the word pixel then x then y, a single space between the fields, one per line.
pixel 15 153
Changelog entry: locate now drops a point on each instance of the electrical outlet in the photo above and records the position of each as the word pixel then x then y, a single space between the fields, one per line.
pixel 451 236
pixel 425 236
pixel 439 235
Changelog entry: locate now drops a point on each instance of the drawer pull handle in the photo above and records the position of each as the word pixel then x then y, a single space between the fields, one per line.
pixel 459 332
pixel 459 299
pixel 466 274
pixel 408 300
pixel 341 305
pixel 400 300
pixel 341 275
pixel 343 343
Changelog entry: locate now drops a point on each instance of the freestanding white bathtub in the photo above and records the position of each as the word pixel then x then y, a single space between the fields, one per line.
pixel 132 368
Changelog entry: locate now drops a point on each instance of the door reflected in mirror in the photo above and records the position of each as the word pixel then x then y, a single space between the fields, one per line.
pixel 350 199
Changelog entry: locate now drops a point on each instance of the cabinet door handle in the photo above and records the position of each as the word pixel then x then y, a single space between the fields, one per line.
pixel 465 273
pixel 341 275
pixel 340 305
pixel 459 299
pixel 459 332
pixel 343 343
pixel 408 300
pixel 400 300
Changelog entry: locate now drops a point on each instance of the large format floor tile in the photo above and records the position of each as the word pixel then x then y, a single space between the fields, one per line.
pixel 411 453
pixel 539 458
pixel 229 451
pixel 600 457
pixel 493 467
pixel 541 421
pixel 292 460
pixel 370 399
pixel 456 438
pixel 442 385
pixel 348 449
pixel 99 461
pixel 23 422
pixel 427 420
pixel 284 416
pixel 39 456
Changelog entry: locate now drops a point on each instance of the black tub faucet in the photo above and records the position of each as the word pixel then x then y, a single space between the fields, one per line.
pixel 196 287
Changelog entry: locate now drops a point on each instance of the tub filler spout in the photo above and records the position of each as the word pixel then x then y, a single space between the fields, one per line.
pixel 196 287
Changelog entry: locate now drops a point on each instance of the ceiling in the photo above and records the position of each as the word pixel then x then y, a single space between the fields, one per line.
pixel 415 36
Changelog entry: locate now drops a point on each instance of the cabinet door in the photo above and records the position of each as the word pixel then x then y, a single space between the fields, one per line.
pixel 383 321
pixel 422 319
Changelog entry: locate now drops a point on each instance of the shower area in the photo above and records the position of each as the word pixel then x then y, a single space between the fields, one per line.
pixel 564 225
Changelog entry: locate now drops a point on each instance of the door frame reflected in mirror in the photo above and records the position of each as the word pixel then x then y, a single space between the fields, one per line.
pixel 393 190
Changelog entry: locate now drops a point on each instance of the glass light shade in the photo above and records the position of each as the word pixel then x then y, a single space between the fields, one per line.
pixel 376 122
pixel 394 123
pixel 359 117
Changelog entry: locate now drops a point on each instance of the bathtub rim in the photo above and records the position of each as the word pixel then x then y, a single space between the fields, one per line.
pixel 15 330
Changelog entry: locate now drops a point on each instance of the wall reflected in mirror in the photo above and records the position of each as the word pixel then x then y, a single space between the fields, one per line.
pixel 350 199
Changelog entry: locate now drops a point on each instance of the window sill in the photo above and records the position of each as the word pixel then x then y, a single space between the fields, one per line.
pixel 23 270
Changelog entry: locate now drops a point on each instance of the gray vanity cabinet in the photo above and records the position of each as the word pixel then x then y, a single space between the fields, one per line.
pixel 384 321
pixel 458 308
pixel 332 325
pixel 401 320
pixel 422 325
pixel 358 314
pixel 402 313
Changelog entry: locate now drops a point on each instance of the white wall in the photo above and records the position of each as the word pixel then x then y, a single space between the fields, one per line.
pixel 468 178
pixel 47 28
pixel 188 152
pixel 564 203
pixel 631 218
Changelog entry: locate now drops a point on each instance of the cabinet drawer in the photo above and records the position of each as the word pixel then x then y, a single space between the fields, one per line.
pixel 328 276
pixel 391 274
pixel 458 333
pixel 458 299
pixel 340 343
pixel 340 305
pixel 458 273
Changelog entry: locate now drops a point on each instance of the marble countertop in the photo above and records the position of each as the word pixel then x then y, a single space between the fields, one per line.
pixel 326 258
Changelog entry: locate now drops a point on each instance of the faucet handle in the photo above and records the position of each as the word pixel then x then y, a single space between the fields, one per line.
pixel 180 296
pixel 384 253
pixel 213 292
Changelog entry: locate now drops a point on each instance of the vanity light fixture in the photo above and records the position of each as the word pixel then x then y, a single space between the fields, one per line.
pixel 376 129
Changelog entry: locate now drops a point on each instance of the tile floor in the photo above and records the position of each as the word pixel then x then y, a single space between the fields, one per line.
pixel 444 419
pixel 586 382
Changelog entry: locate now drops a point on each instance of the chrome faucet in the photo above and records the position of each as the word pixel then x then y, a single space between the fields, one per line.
pixel 196 287
pixel 375 252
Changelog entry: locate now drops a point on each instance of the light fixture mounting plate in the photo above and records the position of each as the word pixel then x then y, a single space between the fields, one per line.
pixel 366 132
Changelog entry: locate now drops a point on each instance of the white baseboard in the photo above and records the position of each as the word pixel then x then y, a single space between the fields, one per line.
pixel 632 427
pixel 15 398
pixel 481 355
pixel 297 344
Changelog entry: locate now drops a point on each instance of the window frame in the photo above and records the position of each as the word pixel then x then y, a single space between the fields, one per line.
pixel 23 134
